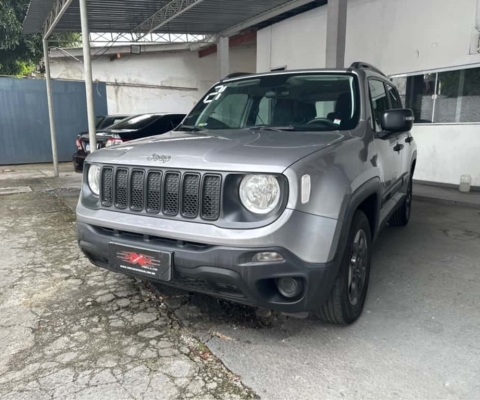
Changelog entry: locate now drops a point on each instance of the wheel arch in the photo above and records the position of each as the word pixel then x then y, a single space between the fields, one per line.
pixel 366 198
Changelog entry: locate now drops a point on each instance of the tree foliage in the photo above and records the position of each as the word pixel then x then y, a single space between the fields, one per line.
pixel 19 54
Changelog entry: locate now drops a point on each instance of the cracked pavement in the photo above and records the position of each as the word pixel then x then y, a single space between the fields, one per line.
pixel 69 330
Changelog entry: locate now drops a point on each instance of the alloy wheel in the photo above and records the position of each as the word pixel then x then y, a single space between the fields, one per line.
pixel 358 267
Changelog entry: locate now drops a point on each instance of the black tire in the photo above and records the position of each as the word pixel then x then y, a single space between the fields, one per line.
pixel 342 307
pixel 402 215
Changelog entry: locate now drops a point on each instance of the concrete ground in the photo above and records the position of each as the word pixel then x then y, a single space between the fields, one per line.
pixel 70 330
pixel 418 337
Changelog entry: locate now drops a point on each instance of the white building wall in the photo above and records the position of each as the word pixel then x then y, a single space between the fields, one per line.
pixel 155 82
pixel 397 36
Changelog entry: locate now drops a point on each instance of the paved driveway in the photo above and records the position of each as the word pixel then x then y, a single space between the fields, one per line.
pixel 419 337
pixel 69 330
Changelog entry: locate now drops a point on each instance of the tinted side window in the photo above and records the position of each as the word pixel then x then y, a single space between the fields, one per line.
pixel 161 125
pixel 395 100
pixel 379 100
pixel 176 120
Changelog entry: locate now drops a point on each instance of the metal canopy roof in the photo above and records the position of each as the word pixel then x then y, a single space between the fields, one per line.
pixel 141 16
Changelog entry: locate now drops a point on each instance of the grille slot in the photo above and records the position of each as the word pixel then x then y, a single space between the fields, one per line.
pixel 178 194
pixel 107 186
pixel 190 195
pixel 211 197
pixel 171 193
pixel 121 185
pixel 154 192
pixel 136 202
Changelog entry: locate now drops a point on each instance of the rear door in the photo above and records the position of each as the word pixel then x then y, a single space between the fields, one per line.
pixel 389 158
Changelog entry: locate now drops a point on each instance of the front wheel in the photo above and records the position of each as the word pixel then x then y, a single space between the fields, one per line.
pixel 346 301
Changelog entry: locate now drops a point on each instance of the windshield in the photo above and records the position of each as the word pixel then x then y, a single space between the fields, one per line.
pixel 314 101
pixel 136 122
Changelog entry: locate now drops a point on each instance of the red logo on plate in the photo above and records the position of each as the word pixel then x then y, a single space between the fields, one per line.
pixel 137 259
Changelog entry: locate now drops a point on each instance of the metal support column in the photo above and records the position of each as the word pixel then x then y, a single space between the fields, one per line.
pixel 336 33
pixel 87 66
pixel 223 57
pixel 51 115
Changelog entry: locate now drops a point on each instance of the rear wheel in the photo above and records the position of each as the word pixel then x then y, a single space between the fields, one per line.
pixel 346 301
pixel 402 215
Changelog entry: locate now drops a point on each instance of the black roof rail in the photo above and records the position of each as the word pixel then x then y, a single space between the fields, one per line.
pixel 364 65
pixel 236 75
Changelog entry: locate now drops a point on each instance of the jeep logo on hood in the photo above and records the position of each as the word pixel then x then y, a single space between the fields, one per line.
pixel 162 158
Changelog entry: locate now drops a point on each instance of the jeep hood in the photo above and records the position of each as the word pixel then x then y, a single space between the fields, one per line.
pixel 220 150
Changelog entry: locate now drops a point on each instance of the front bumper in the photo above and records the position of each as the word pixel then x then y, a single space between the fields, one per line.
pixel 223 271
pixel 311 238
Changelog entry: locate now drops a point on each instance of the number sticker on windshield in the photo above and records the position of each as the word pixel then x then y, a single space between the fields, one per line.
pixel 215 95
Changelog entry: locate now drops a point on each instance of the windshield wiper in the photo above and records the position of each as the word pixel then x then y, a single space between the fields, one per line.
pixel 190 128
pixel 271 128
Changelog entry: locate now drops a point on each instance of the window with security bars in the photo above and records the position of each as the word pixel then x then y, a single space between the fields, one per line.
pixel 442 97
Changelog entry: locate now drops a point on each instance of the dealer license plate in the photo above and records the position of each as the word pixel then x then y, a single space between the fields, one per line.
pixel 145 263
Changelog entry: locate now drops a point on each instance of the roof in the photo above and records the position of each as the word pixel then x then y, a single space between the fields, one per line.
pixel 200 17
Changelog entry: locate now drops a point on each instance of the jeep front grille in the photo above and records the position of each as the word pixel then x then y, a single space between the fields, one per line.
pixel 154 187
pixel 121 188
pixel 170 193
pixel 191 197
pixel 211 197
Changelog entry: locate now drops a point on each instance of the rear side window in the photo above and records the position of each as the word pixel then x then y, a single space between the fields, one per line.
pixel 324 108
pixel 379 100
pixel 395 100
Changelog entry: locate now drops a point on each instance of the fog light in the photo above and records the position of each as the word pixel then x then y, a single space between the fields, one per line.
pixel 290 287
pixel 267 256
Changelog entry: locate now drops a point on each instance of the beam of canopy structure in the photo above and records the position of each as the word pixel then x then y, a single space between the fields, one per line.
pixel 201 22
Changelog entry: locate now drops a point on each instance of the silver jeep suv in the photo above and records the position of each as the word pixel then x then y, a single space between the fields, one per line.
pixel 271 193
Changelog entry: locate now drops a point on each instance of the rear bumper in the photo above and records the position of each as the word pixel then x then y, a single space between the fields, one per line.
pixel 226 272
pixel 78 160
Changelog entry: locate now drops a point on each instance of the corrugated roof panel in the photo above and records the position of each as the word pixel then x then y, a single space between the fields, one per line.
pixel 36 15
pixel 208 17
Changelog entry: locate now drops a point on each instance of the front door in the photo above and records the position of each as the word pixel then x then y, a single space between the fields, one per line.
pixel 389 148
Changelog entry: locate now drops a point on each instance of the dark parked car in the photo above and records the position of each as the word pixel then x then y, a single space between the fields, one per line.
pixel 134 127
pixel 104 121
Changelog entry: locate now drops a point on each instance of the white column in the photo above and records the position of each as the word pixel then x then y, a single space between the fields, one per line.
pixel 336 33
pixel 223 57
pixel 87 65
pixel 51 115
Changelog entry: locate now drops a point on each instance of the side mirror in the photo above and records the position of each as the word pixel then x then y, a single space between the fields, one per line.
pixel 399 120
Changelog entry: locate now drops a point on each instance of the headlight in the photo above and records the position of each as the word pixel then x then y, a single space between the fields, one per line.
pixel 94 179
pixel 260 194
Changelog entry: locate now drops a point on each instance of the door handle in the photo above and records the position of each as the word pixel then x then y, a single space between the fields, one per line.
pixel 398 147
pixel 409 139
